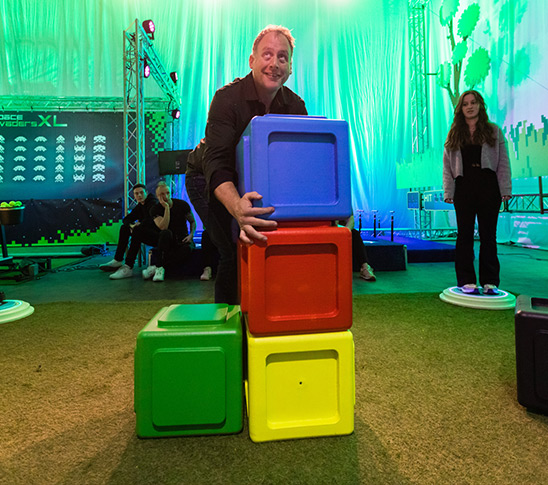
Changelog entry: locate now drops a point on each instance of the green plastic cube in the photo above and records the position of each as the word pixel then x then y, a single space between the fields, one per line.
pixel 188 372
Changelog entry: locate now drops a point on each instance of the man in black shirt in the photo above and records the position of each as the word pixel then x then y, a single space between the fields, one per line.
pixel 139 214
pixel 175 243
pixel 166 230
pixel 262 91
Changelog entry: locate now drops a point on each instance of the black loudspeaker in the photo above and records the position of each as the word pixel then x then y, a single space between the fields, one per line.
pixel 172 162
pixel 531 326
pixel 386 255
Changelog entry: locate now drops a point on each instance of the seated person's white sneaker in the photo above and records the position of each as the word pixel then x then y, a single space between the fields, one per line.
pixel 366 273
pixel 123 271
pixel 159 274
pixel 206 275
pixel 149 272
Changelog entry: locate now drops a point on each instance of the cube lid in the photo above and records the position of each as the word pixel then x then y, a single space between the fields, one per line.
pixel 180 315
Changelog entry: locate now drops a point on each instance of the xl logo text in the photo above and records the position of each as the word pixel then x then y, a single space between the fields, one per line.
pixel 45 121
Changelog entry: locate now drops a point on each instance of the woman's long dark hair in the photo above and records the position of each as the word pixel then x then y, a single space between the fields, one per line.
pixel 459 134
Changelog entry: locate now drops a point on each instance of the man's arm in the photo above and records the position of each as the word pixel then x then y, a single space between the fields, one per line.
pixel 219 169
pixel 131 217
pixel 162 222
pixel 150 203
pixel 222 135
pixel 241 208
pixel 192 223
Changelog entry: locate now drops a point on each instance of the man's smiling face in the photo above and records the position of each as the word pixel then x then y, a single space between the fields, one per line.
pixel 271 63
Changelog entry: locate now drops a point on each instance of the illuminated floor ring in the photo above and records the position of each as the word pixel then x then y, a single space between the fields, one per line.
pixel 11 310
pixel 502 301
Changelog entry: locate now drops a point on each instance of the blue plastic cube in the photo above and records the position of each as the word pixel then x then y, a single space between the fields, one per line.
pixel 299 164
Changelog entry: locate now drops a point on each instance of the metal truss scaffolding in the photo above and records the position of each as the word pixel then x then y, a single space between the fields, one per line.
pixel 529 203
pixel 72 103
pixel 418 68
pixel 419 95
pixel 423 223
pixel 138 50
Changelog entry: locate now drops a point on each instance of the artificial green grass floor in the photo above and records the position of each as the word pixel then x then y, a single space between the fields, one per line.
pixel 435 403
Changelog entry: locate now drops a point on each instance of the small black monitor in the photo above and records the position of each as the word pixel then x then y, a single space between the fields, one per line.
pixel 172 162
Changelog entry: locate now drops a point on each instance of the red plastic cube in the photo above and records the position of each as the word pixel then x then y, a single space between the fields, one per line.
pixel 299 281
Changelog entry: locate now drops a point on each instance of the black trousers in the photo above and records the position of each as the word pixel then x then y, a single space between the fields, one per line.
pixel 123 241
pixel 477 196
pixel 196 190
pixel 359 254
pixel 223 230
pixel 171 250
pixel 141 234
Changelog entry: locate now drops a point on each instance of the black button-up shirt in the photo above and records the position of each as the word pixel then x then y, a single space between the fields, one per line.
pixel 231 110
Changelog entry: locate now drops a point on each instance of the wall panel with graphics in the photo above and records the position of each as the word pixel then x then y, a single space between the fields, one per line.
pixel 68 169
pixel 45 155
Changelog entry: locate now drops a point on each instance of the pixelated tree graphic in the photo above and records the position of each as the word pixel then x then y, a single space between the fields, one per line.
pixel 478 62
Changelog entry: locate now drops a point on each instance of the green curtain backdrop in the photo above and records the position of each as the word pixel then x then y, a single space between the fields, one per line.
pixel 513 35
pixel 350 62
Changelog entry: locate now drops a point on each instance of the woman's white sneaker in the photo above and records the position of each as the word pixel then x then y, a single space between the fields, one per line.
pixel 470 289
pixel 490 290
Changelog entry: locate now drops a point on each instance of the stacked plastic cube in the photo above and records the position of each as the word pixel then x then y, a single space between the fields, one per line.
pixel 189 372
pixel 296 300
pixel 296 288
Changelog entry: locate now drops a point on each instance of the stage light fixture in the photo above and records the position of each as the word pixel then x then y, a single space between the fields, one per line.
pixel 174 77
pixel 176 114
pixel 149 27
pixel 146 69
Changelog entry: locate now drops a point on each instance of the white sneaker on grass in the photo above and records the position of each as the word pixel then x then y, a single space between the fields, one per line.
pixel 123 271
pixel 149 272
pixel 206 275
pixel 159 274
pixel 111 265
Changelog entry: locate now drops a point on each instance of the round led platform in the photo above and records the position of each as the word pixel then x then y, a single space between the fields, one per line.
pixel 11 310
pixel 502 301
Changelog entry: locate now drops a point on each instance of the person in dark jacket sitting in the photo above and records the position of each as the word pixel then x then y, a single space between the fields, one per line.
pixel 138 215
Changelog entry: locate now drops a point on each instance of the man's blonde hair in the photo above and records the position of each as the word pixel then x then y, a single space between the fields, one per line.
pixel 161 183
pixel 279 29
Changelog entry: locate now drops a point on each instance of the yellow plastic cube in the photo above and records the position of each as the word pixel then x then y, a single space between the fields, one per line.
pixel 300 386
